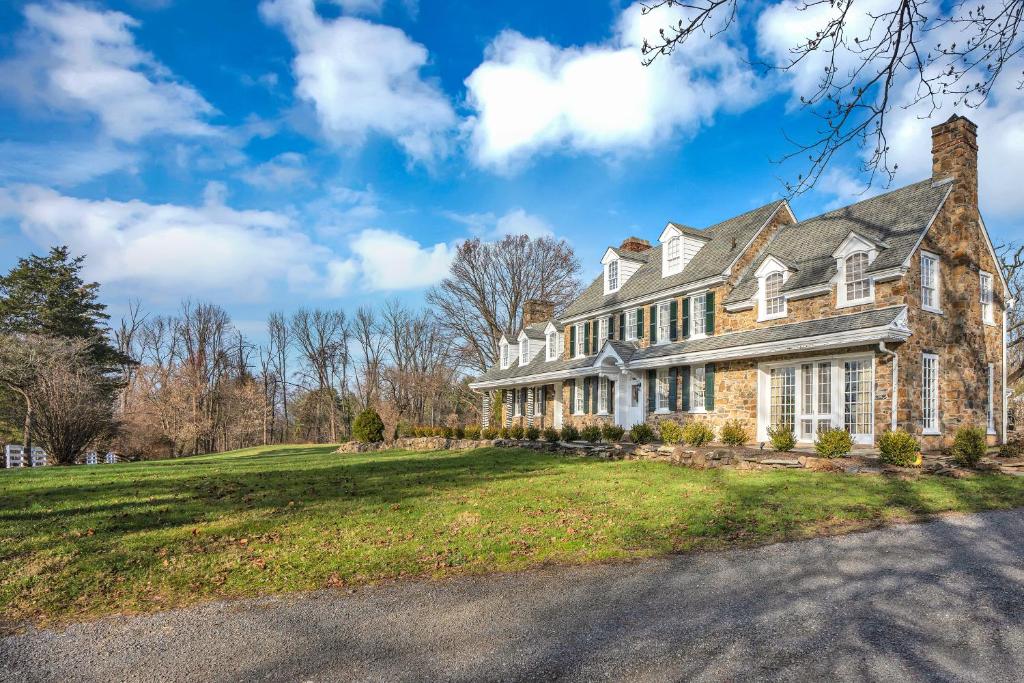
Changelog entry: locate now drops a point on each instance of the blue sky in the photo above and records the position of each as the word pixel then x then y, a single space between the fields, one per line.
pixel 273 154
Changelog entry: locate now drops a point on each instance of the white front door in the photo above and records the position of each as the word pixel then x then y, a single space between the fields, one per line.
pixel 629 400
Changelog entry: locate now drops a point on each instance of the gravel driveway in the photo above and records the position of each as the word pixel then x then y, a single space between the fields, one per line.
pixel 943 601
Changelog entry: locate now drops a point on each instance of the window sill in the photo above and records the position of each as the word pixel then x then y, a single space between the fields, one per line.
pixel 990 323
pixel 697 411
pixel 858 302
pixel 777 316
pixel 662 411
pixel 931 309
pixel 991 431
pixel 931 432
pixel 702 335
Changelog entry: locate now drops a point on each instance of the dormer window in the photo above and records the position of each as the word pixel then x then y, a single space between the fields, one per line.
pixel 673 253
pixel 613 276
pixel 679 244
pixel 857 282
pixel 771 277
pixel 524 351
pixel 854 284
pixel 774 302
pixel 504 355
pixel 552 345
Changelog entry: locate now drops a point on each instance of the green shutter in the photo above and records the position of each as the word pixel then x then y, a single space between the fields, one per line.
pixel 594 383
pixel 709 315
pixel 652 391
pixel 586 338
pixel 595 343
pixel 586 395
pixel 686 317
pixel 572 397
pixel 709 387
pixel 611 398
pixel 572 341
pixel 622 326
pixel 654 323
pixel 685 370
pixel 673 319
pixel 611 327
pixel 640 323
pixel 673 403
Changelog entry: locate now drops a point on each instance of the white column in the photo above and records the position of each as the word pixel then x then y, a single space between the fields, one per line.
pixel 530 397
pixel 557 407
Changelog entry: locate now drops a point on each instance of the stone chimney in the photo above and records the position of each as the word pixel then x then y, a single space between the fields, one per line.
pixel 634 244
pixel 955 155
pixel 537 311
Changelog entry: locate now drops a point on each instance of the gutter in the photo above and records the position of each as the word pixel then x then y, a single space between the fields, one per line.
pixel 895 398
pixel 1006 392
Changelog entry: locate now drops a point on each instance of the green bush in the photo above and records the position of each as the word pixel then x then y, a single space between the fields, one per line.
pixel 504 433
pixel 698 433
pixel 517 432
pixel 783 439
pixel 491 433
pixel 405 430
pixel 898 448
pixel 460 432
pixel 472 432
pixel 1012 449
pixel 641 433
pixel 733 433
pixel 532 433
pixel 551 435
pixel 612 433
pixel 591 433
pixel 833 443
pixel 368 427
pixel 570 433
pixel 671 431
pixel 447 432
pixel 969 445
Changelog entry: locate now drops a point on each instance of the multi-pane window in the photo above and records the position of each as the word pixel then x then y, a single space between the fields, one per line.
pixel 858 286
pixel 578 351
pixel 774 302
pixel 929 282
pixel 504 356
pixel 664 321
pixel 698 314
pixel 824 388
pixel 613 276
pixel 602 331
pixel 857 396
pixel 783 397
pixel 631 324
pixel 930 393
pixel 991 398
pixel 552 345
pixel 602 394
pixel 987 309
pixel 698 387
pixel 662 389
pixel 524 352
pixel 807 402
pixel 578 398
pixel 674 253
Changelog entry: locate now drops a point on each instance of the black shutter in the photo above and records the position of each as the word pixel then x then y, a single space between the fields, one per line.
pixel 586 338
pixel 622 326
pixel 673 402
pixel 595 343
pixel 586 395
pixel 611 327
pixel 685 370
pixel 686 317
pixel 594 384
pixel 654 323
pixel 572 397
pixel 611 397
pixel 572 341
pixel 709 387
pixel 640 323
pixel 540 403
pixel 652 391
pixel 673 319
pixel 709 316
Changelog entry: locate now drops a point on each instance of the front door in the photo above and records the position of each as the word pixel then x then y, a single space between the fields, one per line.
pixel 629 400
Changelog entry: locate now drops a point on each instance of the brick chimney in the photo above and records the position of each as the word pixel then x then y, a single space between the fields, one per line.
pixel 537 311
pixel 955 155
pixel 634 244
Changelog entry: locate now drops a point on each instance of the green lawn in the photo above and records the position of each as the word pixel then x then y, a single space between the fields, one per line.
pixel 84 541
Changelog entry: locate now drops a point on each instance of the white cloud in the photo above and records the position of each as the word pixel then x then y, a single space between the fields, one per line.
pixel 283 172
pixel 79 60
pixel 530 96
pixel 62 164
pixel 514 222
pixel 363 78
pixel 389 260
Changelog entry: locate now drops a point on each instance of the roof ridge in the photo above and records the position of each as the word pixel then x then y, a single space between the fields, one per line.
pixel 862 201
pixel 745 213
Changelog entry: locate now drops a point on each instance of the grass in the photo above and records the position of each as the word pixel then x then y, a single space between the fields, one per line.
pixel 81 542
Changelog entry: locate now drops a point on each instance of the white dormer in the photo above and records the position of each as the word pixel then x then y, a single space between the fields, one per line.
pixel 506 358
pixel 771 276
pixel 854 285
pixel 528 348
pixel 618 266
pixel 678 247
pixel 552 347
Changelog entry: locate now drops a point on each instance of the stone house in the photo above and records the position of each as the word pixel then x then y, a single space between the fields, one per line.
pixel 888 313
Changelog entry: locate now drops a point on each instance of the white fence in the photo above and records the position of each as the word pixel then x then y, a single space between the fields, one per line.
pixel 15 456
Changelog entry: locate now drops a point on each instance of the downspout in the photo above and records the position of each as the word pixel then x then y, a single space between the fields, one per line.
pixel 1006 392
pixel 894 401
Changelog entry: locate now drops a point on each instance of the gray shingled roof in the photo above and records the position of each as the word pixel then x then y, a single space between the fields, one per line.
pixel 812 328
pixel 727 240
pixel 536 366
pixel 895 220
pixel 536 330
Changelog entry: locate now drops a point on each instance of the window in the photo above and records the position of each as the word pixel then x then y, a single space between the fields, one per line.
pixel 858 285
pixel 824 388
pixel 613 276
pixel 662 390
pixel 783 397
pixel 698 315
pixel 631 324
pixel 664 321
pixel 698 386
pixel 602 395
pixel 578 398
pixel 930 282
pixel 857 397
pixel 517 399
pixel 930 393
pixel 504 355
pixel 578 351
pixel 774 302
pixel 524 351
pixel 552 345
pixel 602 331
pixel 673 253
pixel 991 398
pixel 987 308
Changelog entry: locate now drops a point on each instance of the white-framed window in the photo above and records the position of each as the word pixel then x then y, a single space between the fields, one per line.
pixel 774 301
pixel 674 251
pixel 577 400
pixel 552 345
pixel 930 283
pixel 662 390
pixel 524 351
pixel 858 396
pixel 988 314
pixel 664 321
pixel 991 398
pixel 782 398
pixel 698 316
pixel 578 351
pixel 602 331
pixel 517 402
pixel 613 275
pixel 602 395
pixel 856 281
pixel 698 387
pixel 930 393
pixel 630 325
pixel 504 356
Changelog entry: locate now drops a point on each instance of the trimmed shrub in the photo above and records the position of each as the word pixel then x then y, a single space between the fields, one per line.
pixel 733 433
pixel 368 427
pixel 472 432
pixel 532 433
pixel 641 433
pixel 969 445
pixel 591 433
pixel 698 433
pixel 505 433
pixel 612 433
pixel 899 448
pixel 833 443
pixel 671 431
pixel 570 433
pixel 517 432
pixel 491 433
pixel 551 435
pixel 782 438
pixel 1012 449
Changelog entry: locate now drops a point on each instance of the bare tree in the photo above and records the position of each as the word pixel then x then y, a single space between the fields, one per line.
pixel 319 337
pixel 483 296
pixel 280 343
pixel 371 341
pixel 1012 257
pixel 899 44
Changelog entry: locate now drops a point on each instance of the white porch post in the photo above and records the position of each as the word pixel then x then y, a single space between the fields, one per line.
pixel 558 406
pixel 530 397
pixel 485 410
